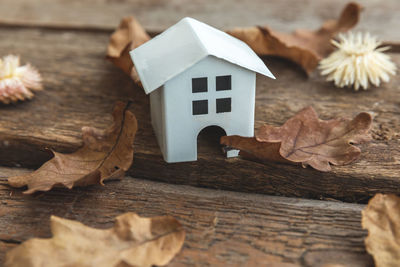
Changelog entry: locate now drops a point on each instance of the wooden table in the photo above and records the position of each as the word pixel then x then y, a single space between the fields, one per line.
pixel 235 212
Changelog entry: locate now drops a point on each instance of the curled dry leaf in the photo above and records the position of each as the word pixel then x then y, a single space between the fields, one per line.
pixel 306 139
pixel 382 220
pixel 17 82
pixel 129 35
pixel 133 241
pixel 252 149
pixel 104 155
pixel 303 47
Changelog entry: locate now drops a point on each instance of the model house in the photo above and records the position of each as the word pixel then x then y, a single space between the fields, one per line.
pixel 197 76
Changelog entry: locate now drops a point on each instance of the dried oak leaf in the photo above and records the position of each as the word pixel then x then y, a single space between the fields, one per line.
pixel 133 241
pixel 306 139
pixel 104 155
pixel 129 35
pixel 304 47
pixel 382 220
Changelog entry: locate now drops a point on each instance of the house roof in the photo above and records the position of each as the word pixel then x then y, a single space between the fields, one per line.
pixel 183 45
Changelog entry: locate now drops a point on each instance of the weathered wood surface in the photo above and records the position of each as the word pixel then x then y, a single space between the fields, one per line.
pixel 223 228
pixel 66 40
pixel 156 15
pixel 81 88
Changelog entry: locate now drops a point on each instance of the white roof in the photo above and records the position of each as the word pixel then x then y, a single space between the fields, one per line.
pixel 183 45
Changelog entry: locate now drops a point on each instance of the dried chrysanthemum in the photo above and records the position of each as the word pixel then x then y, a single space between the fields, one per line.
pixel 16 82
pixel 357 62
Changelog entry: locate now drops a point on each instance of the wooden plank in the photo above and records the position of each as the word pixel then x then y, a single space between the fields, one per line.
pixel 81 88
pixel 285 15
pixel 222 227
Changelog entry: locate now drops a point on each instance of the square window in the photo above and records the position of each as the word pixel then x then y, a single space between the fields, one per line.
pixel 224 105
pixel 200 107
pixel 224 83
pixel 199 85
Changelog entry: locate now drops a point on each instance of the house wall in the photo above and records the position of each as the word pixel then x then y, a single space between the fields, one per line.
pixel 182 128
pixel 157 116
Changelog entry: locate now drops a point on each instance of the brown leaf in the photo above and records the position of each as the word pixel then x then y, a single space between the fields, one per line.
pixel 382 220
pixel 303 47
pixel 129 35
pixel 104 155
pixel 133 241
pixel 307 140
pixel 254 150
pixel 393 47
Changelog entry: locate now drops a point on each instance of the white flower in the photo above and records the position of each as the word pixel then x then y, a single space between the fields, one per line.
pixel 358 62
pixel 16 82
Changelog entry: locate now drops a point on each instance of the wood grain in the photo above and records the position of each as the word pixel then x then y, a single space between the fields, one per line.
pixel 81 89
pixel 222 227
pixel 157 15
pixel 66 40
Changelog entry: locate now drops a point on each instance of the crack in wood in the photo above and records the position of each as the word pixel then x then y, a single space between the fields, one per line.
pixel 10 241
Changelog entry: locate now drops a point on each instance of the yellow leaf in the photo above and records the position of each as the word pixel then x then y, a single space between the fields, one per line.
pixel 133 241
pixel 382 220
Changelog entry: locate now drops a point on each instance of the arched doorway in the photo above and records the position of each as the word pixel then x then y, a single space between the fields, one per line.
pixel 208 141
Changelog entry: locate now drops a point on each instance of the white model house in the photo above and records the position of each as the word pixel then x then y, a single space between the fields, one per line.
pixel 197 76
